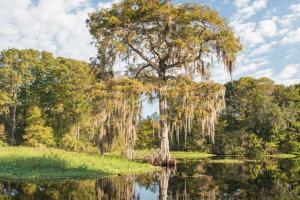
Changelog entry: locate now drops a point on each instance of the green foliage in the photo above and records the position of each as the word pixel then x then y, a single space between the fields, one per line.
pixel 58 86
pixel 254 146
pixel 163 41
pixel 230 143
pixel 147 136
pixel 69 142
pixel 36 133
pixel 32 163
pixel 163 36
pixel 260 118
pixel 3 144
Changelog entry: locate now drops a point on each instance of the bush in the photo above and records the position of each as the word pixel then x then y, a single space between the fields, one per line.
pixel 271 147
pixel 230 143
pixel 254 146
pixel 38 136
pixel 290 144
pixel 70 143
pixel 3 144
pixel 36 133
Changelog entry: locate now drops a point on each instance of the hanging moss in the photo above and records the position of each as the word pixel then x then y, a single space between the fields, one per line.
pixel 118 111
pixel 190 102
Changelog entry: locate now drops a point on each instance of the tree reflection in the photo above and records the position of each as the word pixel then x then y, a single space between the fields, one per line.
pixel 164 183
pixel 275 179
pixel 115 188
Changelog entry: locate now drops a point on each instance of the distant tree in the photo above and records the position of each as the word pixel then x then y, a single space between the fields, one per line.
pixel 61 87
pixel 15 76
pixel 259 114
pixel 37 133
pixel 160 41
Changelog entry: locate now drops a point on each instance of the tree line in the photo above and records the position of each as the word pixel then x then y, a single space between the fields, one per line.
pixel 60 102
pixel 55 101
pixel 261 117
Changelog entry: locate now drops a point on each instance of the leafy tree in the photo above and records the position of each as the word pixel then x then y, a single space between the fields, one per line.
pixel 147 133
pixel 159 40
pixel 259 112
pixel 15 76
pixel 58 86
pixel 61 88
pixel 116 113
pixel 36 133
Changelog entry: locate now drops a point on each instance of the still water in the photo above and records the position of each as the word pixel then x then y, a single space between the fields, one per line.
pixel 272 179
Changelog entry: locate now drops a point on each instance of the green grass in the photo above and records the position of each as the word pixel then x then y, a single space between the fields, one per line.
pixel 190 155
pixel 282 155
pixel 226 161
pixel 175 154
pixel 35 163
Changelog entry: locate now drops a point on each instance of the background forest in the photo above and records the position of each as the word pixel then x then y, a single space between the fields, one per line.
pixel 54 102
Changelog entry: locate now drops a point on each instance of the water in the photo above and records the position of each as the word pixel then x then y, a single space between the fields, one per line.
pixel 273 179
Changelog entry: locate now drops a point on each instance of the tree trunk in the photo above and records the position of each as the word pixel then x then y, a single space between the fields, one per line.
pixel 100 145
pixel 13 124
pixel 164 156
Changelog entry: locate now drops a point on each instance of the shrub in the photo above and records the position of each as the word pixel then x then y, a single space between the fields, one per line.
pixel 3 144
pixel 36 133
pixel 254 146
pixel 230 143
pixel 70 143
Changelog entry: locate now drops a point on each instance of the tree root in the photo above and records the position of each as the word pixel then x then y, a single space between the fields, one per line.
pixel 160 160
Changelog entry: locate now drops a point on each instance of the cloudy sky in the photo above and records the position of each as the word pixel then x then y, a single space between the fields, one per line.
pixel 269 31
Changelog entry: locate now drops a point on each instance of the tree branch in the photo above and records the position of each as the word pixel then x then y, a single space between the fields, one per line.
pixel 140 53
pixel 140 70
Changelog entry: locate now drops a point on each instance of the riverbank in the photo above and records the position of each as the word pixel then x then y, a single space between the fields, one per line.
pixel 140 154
pixel 35 163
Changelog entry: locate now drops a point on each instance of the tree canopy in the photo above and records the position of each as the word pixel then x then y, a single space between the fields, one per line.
pixel 160 42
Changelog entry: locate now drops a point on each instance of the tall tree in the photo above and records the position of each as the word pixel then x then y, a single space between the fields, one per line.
pixel 161 41
pixel 15 76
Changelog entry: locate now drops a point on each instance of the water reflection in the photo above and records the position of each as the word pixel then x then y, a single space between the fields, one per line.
pixel 275 179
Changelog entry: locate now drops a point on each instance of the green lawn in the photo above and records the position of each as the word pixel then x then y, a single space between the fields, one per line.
pixel 24 163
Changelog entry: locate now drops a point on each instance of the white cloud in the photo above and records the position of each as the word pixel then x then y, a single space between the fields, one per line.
pixel 290 71
pixel 107 4
pixel 268 28
pixel 246 10
pixel 242 69
pixel 264 48
pixel 51 25
pixel 292 37
pixel 259 4
pixel 264 73
pixel 248 33
pixel 252 33
pixel 294 14
pixel 241 3
pixel 295 8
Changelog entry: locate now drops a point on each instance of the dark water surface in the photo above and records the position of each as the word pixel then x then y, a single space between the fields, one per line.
pixel 272 179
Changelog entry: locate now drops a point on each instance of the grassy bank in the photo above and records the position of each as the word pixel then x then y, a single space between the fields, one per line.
pixel 24 163
pixel 140 154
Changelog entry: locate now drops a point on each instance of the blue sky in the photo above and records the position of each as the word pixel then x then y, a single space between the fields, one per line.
pixel 268 29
